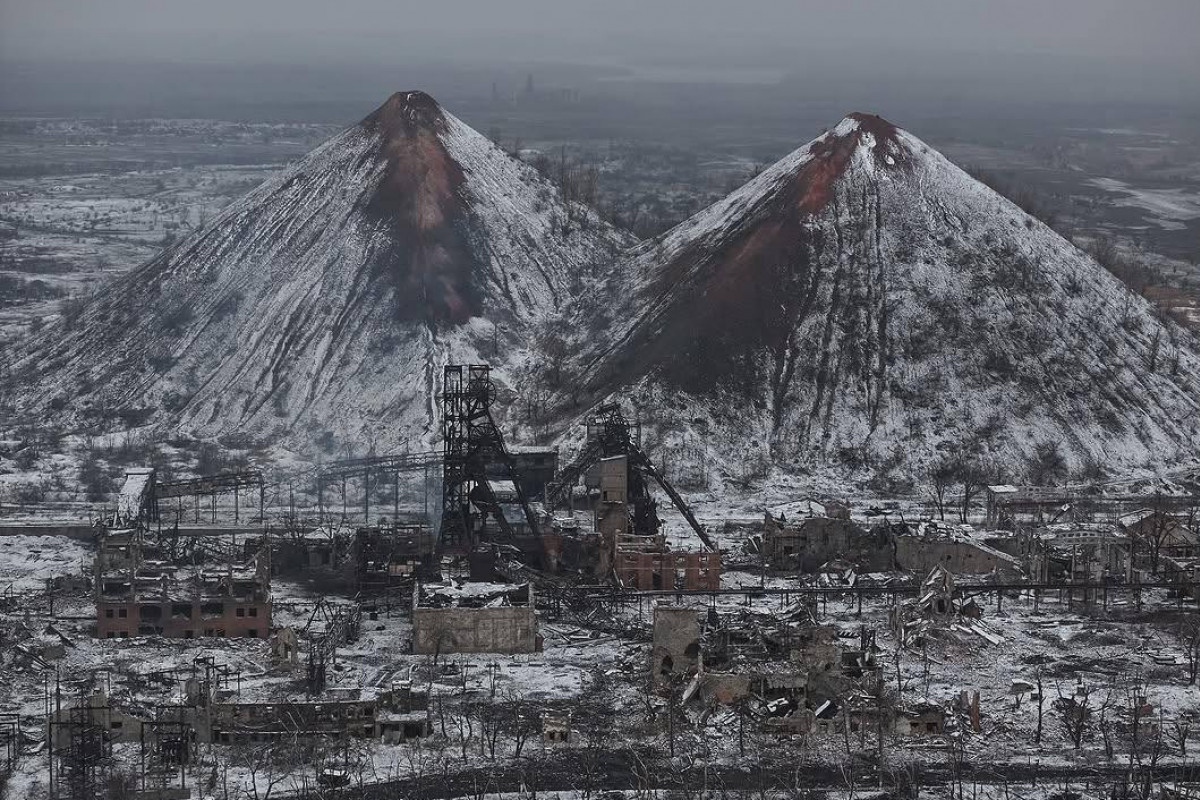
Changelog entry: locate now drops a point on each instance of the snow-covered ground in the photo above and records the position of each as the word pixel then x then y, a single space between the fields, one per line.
pixel 1112 651
pixel 27 562
pixel 1169 208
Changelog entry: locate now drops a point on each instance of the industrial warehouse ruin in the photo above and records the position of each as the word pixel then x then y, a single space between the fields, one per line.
pixel 678 437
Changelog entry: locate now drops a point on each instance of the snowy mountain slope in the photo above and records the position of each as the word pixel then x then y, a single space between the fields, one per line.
pixel 864 303
pixel 330 297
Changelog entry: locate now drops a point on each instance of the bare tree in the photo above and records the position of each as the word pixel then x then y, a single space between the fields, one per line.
pixel 1189 633
pixel 555 351
pixel 491 723
pixel 268 765
pixel 1106 729
pixel 520 720
pixel 941 477
pixel 466 731
pixel 1181 731
pixel 973 479
pixel 1075 713
pixel 1159 531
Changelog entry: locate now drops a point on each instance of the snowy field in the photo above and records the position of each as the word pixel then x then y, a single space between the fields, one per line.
pixel 27 562
pixel 1167 208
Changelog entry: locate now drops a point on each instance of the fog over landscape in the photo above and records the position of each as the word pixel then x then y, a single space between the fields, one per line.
pixel 1062 53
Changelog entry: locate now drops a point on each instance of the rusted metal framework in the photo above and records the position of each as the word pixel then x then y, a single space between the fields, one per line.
pixel 471 441
pixel 335 625
pixel 372 469
pixel 166 749
pixel 10 742
pixel 212 675
pixel 386 559
pixel 610 434
pixel 80 746
pixel 213 485
pixel 1010 507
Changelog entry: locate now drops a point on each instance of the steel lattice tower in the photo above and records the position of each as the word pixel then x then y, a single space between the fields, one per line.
pixel 470 441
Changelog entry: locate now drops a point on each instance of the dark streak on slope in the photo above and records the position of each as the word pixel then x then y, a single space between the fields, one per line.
pixel 722 303
pixel 428 260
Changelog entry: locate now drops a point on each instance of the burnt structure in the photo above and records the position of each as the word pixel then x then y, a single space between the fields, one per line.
pixel 632 549
pixel 368 561
pixel 497 619
pixel 388 558
pixel 535 466
pixel 140 501
pixel 138 594
pixel 80 745
pixel 610 435
pixel 329 626
pixel 471 441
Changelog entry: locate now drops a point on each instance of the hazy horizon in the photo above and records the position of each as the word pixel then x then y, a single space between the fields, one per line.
pixel 63 52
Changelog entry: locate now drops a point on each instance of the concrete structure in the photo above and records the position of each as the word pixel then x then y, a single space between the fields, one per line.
pixel 285 646
pixel 931 544
pixel 1083 553
pixel 646 567
pixel 135 502
pixel 511 629
pixel 937 600
pixel 237 722
pixel 1158 533
pixel 1008 506
pixel 141 596
pixel 175 618
pixel 535 466
pixel 676 642
pixel 617 477
pixel 612 510
pixel 95 710
pixel 924 719
pixel 808 543
pixel 640 560
pixel 719 688
pixel 396 727
pixel 817 649
pixel 556 729
pixel 474 618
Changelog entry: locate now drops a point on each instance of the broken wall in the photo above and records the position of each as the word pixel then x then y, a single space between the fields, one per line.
pixel 475 630
pixel 808 544
pixel 960 557
pixel 676 642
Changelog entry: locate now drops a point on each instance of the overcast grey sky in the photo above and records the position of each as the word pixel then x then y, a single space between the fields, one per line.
pixel 881 53
pixel 1155 31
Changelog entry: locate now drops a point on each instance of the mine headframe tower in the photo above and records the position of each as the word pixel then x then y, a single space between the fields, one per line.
pixel 610 434
pixel 471 441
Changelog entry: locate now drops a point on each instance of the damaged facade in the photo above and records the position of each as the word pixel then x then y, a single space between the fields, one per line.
pixel 625 542
pixel 487 619
pixel 810 543
pixel 137 594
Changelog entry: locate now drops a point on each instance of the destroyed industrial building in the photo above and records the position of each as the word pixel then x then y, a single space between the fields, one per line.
pixel 499 604
pixel 512 589
pixel 139 594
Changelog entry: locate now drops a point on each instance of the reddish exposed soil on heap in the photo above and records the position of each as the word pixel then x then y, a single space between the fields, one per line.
pixel 428 261
pixel 727 302
pixel 814 182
